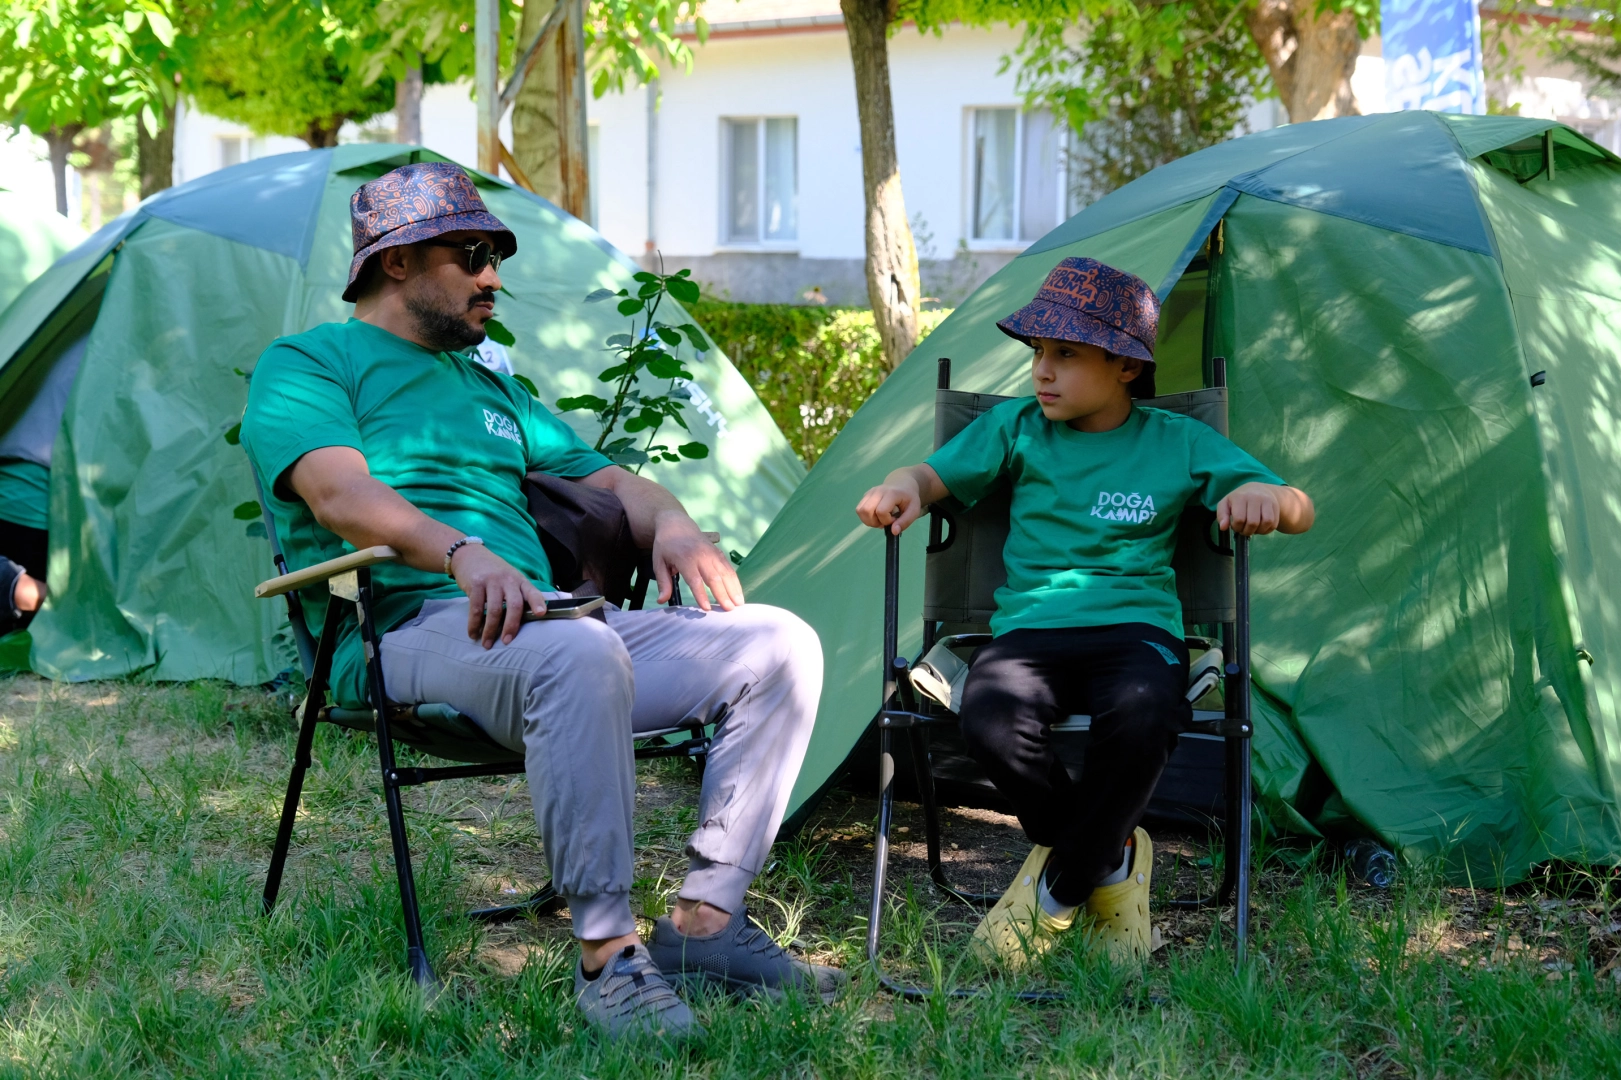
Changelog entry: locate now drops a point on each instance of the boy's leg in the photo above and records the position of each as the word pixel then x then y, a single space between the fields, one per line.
pixel 1137 695
pixel 1020 684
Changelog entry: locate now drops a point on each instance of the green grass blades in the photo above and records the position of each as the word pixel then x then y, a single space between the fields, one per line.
pixel 136 820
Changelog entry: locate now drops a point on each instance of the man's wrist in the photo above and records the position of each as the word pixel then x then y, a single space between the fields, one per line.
pixel 677 519
pixel 450 554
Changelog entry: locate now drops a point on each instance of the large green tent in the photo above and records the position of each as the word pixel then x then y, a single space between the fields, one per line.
pixel 31 239
pixel 1422 315
pixel 149 571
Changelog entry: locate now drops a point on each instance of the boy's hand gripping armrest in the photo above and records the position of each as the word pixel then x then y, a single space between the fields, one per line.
pixel 901 498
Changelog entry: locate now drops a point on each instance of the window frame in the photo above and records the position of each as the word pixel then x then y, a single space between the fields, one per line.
pixel 723 242
pixel 1015 243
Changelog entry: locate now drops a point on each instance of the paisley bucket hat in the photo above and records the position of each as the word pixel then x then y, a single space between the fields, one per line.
pixel 1093 303
pixel 415 203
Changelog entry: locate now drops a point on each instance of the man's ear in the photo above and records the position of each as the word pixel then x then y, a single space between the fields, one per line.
pixel 394 262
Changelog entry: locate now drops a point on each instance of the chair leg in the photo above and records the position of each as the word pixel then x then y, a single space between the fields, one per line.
pixel 544 902
pixel 923 766
pixel 1241 797
pixel 880 845
pixel 289 806
pixel 416 953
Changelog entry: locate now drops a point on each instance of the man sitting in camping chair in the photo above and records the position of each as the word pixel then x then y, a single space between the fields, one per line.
pixel 1089 620
pixel 383 431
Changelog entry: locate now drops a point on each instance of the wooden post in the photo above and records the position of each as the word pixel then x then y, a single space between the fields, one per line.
pixel 486 82
pixel 571 119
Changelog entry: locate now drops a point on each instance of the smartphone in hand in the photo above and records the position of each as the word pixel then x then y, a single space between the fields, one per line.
pixel 566 607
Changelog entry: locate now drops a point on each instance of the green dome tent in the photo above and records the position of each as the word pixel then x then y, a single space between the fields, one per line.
pixel 149 571
pixel 1422 315
pixel 31 239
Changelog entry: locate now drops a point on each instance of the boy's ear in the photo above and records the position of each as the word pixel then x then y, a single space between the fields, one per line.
pixel 1130 367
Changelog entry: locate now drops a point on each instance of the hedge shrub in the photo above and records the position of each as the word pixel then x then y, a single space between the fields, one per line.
pixel 812 366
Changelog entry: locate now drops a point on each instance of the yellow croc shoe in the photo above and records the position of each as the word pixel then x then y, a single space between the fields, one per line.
pixel 1117 915
pixel 1016 929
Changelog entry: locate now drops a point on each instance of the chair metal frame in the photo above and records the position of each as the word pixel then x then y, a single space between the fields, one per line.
pixel 904 710
pixel 433 728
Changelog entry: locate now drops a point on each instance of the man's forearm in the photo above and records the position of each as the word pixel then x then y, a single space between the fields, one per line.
pixel 645 502
pixel 366 512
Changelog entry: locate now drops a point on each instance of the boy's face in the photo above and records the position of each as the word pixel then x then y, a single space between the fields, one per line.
pixel 1074 380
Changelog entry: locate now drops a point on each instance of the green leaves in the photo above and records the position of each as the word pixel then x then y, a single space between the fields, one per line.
pixel 584 401
pixel 233 434
pixel 248 511
pixel 683 290
pixel 651 348
pixel 499 333
pixel 524 381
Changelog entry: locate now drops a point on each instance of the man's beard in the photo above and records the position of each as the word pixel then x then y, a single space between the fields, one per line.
pixel 439 325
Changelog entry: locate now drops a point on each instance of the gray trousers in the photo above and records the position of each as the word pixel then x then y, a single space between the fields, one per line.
pixel 568 694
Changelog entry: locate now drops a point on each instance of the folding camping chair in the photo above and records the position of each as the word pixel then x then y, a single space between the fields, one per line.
pixel 962 571
pixel 435 729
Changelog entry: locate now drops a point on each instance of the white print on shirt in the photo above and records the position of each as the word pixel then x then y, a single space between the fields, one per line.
pixel 1119 506
pixel 496 424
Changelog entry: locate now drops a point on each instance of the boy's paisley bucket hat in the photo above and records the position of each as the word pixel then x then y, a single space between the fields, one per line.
pixel 1093 303
pixel 415 203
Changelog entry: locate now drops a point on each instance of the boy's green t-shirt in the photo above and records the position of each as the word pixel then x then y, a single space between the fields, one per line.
pixel 1094 513
pixel 451 436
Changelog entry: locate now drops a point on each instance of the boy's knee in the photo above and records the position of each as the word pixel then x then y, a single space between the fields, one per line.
pixel 1149 711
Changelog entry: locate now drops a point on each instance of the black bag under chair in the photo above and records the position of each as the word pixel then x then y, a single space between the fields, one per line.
pixel 962 571
pixel 435 729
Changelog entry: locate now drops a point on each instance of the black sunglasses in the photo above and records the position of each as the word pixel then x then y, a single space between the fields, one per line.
pixel 479 254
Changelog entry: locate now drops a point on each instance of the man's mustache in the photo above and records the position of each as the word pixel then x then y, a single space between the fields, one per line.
pixel 485 297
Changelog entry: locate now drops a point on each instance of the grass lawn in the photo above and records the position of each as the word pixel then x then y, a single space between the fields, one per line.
pixel 137 820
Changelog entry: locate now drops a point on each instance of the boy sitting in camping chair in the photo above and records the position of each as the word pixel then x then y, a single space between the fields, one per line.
pixel 1089 620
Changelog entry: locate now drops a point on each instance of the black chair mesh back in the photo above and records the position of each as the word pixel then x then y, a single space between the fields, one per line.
pixel 960 581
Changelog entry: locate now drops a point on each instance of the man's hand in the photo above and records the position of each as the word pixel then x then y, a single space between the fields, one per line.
pixel 496 594
pixel 1255 509
pixel 901 498
pixel 679 547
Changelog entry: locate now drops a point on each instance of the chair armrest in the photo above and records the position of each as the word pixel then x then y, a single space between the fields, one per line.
pixel 314 575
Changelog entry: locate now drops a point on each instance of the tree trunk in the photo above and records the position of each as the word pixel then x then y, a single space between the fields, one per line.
pixel 323 133
pixel 893 287
pixel 1311 54
pixel 154 154
pixel 408 106
pixel 60 142
pixel 548 116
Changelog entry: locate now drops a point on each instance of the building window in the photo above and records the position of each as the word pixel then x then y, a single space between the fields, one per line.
pixel 1016 172
pixel 760 165
pixel 235 149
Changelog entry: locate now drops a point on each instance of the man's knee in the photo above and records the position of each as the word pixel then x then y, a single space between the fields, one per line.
pixel 776 641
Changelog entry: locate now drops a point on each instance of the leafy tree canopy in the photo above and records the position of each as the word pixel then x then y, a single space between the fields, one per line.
pixel 289 68
pixel 66 64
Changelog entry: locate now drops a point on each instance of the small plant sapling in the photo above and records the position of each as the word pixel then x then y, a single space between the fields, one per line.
pixel 631 415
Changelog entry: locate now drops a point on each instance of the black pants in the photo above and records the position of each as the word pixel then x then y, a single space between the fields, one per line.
pixel 1132 679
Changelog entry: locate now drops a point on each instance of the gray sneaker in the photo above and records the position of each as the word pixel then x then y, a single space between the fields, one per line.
pixel 631 997
pixel 742 957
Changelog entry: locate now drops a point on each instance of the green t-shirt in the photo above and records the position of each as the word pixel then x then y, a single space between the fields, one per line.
pixel 1094 513
pixel 25 493
pixel 451 436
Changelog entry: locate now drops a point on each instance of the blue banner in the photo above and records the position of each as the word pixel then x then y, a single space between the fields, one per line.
pixel 1432 55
